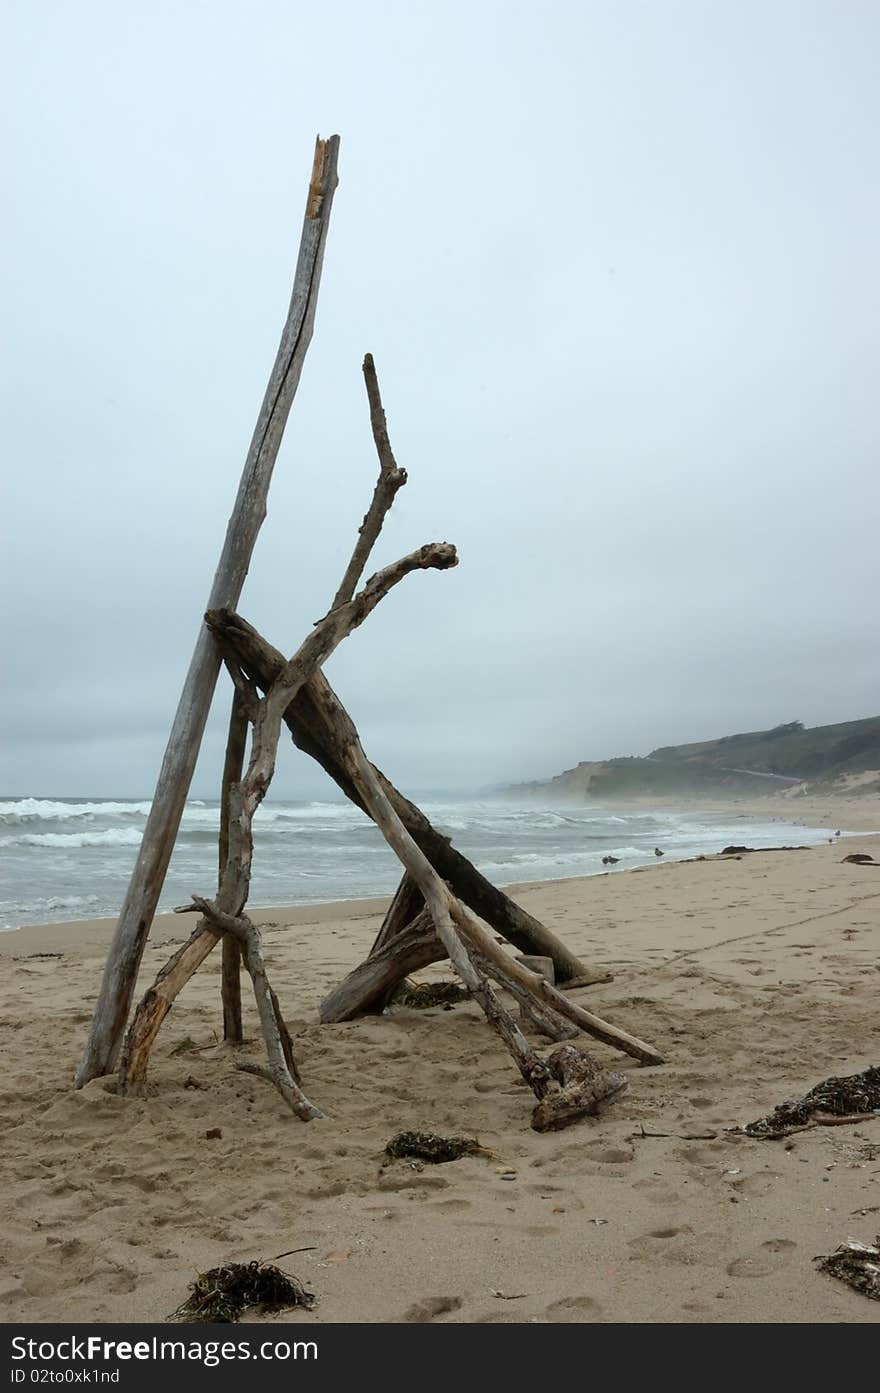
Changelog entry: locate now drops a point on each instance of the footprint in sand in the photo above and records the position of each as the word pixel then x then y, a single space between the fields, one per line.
pixel 430 1307
pixel 574 1310
pixel 658 1191
pixel 760 1262
pixel 756 1186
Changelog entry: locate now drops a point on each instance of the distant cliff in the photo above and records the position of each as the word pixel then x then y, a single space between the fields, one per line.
pixel 760 761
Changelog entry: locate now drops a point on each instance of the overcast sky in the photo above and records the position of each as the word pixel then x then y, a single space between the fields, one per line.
pixel 617 264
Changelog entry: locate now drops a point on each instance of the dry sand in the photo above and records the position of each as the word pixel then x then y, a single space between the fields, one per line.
pixel 757 977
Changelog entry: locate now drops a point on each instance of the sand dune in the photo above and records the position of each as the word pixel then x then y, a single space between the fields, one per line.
pixel 757 977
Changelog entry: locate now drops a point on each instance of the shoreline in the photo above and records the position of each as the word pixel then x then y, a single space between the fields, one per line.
pixel 756 977
pixel 99 930
pixel 854 817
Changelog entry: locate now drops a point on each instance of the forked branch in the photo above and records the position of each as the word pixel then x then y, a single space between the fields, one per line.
pixel 390 479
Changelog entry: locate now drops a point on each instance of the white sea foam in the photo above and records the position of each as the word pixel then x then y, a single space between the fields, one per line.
pixel 48 810
pixel 69 860
pixel 112 836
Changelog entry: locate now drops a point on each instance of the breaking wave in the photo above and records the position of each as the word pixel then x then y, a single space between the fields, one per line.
pixel 25 810
pixel 113 836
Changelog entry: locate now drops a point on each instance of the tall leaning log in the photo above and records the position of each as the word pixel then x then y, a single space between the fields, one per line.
pixel 111 1012
pixel 314 734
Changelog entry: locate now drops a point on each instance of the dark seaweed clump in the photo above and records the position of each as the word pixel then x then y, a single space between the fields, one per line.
pixel 421 995
pixel 836 1097
pixel 427 1146
pixel 223 1294
pixel 857 1264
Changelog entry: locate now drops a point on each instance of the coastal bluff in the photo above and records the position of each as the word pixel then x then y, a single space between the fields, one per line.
pixel 789 759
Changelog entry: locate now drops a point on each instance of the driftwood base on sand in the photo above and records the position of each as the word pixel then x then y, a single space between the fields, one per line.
pixel 430 917
pixel 583 1086
pixel 369 988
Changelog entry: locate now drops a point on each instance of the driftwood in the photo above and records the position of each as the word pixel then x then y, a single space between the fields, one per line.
pixel 462 933
pixel 369 988
pixel 509 971
pixel 407 904
pixel 583 1087
pixel 281 1070
pixel 537 1013
pixel 390 480
pixel 313 732
pixel 305 720
pixel 439 903
pixel 117 987
pixel 245 798
pixel 426 910
pixel 236 746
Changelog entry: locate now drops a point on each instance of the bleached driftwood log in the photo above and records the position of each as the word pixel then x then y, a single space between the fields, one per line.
pixel 281 1069
pixel 369 988
pixel 306 719
pixel 583 1086
pixel 449 915
pixel 136 917
pixel 390 479
pixel 413 945
pixel 233 767
pixel 465 939
pixel 475 932
pixel 407 903
pixel 245 798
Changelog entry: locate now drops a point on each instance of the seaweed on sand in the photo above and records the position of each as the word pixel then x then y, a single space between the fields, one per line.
pixel 857 1264
pixel 223 1294
pixel 427 1146
pixel 835 1099
pixel 421 995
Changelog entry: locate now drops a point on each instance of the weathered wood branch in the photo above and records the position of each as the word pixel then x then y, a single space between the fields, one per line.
pixel 157 1002
pixel 439 902
pixel 245 797
pixel 230 984
pixel 544 1019
pixel 123 960
pixel 583 1087
pixel 481 939
pixel 275 1034
pixel 309 718
pixel 325 637
pixel 369 988
pixel 581 1083
pixel 407 904
pixel 391 478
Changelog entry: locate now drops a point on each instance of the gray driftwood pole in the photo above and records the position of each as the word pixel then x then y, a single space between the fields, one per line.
pixel 111 1012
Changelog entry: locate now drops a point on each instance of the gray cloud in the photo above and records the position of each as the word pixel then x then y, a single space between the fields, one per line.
pixel 617 268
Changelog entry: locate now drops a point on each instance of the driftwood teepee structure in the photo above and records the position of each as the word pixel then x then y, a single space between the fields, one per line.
pixel 444 906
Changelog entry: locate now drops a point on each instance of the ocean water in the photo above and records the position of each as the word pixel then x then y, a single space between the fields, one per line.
pixel 66 859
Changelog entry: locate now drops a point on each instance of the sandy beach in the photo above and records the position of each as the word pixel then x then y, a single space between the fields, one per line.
pixel 756 977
